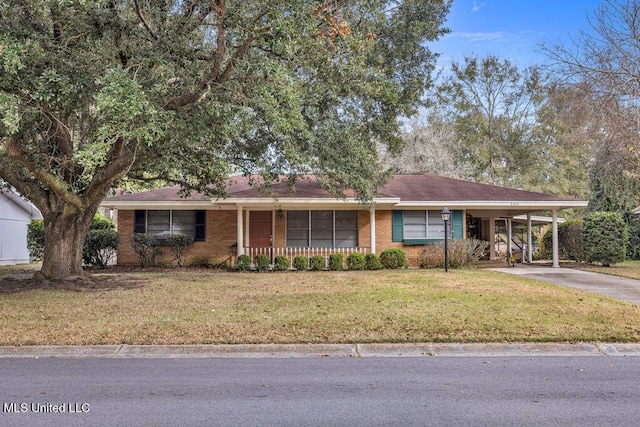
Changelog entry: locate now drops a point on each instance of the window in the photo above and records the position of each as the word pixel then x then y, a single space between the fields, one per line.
pixel 419 225
pixel 298 228
pixel 346 227
pixel 163 223
pixel 322 228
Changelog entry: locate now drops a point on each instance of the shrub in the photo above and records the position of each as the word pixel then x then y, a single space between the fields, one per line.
pixel 100 222
pixel 300 263
pixel 316 263
pixel 476 250
pixel 100 246
pixel 281 263
pixel 93 245
pixel 633 245
pixel 570 241
pixel 35 239
pixel 355 261
pixel 179 244
pixel 243 263
pixel 201 262
pixel 393 258
pixel 605 238
pixel 145 246
pixel 371 262
pixel 336 262
pixel 262 262
pixel 461 253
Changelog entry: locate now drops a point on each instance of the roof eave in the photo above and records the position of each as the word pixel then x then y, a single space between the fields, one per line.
pixel 159 204
pixel 491 204
pixel 247 202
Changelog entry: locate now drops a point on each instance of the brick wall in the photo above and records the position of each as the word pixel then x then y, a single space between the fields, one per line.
pixel 364 229
pixel 220 235
pixel 383 239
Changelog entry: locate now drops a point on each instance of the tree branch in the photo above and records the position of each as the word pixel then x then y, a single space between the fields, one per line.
pixel 220 41
pixel 226 75
pixel 48 180
pixel 144 21
pixel 115 169
pixel 28 188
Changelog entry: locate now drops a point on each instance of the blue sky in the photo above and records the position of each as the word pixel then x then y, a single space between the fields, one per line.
pixel 511 29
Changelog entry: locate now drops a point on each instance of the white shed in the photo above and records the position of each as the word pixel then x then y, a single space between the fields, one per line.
pixel 15 215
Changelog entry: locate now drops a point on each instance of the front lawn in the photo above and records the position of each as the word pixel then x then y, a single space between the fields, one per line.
pixel 190 307
pixel 629 269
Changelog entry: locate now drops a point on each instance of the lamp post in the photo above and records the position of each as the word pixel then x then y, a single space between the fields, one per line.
pixel 446 215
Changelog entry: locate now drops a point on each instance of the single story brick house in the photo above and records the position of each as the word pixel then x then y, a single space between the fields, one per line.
pixel 406 214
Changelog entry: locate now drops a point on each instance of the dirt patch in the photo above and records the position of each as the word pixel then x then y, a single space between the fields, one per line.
pixel 26 280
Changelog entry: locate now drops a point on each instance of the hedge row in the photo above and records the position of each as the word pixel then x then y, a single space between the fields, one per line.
pixel 390 258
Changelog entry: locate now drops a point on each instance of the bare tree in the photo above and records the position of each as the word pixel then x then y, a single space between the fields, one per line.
pixel 606 59
pixel 494 105
pixel 429 148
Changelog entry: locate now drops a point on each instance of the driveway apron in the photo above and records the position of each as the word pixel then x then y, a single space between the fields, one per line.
pixel 602 284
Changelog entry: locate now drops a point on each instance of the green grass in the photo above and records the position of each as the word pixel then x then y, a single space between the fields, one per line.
pixel 190 307
pixel 629 269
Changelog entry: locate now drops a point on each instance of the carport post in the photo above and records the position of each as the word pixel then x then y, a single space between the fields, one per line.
pixel 556 257
pixel 529 240
pixel 509 237
pixel 492 236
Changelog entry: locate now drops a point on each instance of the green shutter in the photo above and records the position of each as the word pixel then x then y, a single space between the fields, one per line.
pixel 396 226
pixel 457 224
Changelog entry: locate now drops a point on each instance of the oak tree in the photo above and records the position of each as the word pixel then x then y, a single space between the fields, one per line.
pixel 94 92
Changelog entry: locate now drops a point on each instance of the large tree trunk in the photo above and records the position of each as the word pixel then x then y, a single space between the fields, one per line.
pixel 64 235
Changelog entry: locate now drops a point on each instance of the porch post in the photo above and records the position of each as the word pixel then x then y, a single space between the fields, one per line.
pixel 372 225
pixel 556 256
pixel 247 229
pixel 492 236
pixel 240 231
pixel 529 241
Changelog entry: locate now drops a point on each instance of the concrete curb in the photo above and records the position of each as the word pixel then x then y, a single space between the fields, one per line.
pixel 323 350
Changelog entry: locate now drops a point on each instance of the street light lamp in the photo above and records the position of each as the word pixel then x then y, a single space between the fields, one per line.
pixel 446 215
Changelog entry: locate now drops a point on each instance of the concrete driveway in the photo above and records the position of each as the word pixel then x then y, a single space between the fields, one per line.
pixel 602 284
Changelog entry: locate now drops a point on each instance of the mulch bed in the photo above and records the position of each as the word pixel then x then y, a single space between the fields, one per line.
pixel 23 280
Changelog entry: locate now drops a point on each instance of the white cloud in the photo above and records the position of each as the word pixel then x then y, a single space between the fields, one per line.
pixel 477 6
pixel 481 36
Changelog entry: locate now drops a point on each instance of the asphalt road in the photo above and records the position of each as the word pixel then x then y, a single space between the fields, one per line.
pixel 455 391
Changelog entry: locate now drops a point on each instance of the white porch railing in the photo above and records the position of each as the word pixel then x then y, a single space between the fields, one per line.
pixel 308 252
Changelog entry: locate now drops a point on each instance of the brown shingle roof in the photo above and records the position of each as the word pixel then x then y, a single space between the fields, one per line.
pixel 439 188
pixel 406 187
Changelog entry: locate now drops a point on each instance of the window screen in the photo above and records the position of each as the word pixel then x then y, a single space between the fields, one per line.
pixel 298 228
pixel 322 229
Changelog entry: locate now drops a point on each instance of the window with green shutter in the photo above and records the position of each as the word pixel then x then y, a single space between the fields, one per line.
pixel 417 227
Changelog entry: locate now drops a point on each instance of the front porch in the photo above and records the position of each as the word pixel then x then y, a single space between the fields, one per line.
pixel 305 232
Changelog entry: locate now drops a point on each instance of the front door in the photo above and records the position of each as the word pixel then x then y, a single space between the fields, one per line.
pixel 260 229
